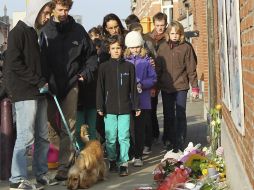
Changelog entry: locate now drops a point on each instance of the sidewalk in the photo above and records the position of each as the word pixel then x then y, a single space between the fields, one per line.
pixel 143 175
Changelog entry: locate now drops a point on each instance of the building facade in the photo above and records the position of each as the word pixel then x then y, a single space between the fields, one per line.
pixel 234 70
pixel 146 9
pixel 4 29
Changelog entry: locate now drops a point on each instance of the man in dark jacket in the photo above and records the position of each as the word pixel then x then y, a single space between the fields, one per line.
pixel 25 84
pixel 156 37
pixel 69 56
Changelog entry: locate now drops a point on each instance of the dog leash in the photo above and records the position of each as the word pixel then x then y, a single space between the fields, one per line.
pixel 73 140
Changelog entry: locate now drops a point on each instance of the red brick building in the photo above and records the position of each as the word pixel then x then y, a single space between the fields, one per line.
pixel 234 69
pixel 146 9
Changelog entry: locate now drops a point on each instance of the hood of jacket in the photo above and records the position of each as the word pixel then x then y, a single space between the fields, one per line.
pixel 32 11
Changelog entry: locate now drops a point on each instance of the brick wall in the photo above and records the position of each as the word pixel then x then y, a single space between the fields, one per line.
pixel 147 8
pixel 244 144
pixel 200 43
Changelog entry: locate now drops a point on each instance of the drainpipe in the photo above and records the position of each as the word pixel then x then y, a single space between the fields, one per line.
pixel 211 55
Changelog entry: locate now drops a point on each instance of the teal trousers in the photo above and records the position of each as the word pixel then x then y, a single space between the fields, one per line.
pixel 117 126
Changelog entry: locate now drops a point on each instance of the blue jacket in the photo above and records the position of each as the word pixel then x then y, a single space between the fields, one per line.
pixel 146 76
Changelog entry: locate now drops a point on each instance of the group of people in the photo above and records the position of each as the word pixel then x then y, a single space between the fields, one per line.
pixel 108 78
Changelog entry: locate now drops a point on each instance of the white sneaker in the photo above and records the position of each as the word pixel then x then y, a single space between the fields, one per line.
pixel 25 185
pixel 138 163
pixel 132 160
pixel 146 150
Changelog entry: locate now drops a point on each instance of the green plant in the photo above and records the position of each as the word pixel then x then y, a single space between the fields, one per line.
pixel 215 127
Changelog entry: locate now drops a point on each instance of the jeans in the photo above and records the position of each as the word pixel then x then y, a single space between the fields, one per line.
pixel 175 123
pixel 117 126
pixel 32 127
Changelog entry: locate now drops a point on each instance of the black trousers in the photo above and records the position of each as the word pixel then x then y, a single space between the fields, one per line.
pixel 142 132
pixel 175 123
pixel 155 124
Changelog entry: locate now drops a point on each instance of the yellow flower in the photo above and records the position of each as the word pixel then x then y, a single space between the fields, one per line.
pixel 204 172
pixel 218 107
pixel 192 157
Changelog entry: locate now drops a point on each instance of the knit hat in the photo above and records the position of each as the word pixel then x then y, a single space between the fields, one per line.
pixel 134 39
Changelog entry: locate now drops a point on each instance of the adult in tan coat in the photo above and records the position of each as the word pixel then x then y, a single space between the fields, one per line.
pixel 176 71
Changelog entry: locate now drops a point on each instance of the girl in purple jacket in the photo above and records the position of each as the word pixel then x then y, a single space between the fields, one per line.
pixel 146 79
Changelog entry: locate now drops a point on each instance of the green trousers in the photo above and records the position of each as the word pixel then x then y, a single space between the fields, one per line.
pixel 117 126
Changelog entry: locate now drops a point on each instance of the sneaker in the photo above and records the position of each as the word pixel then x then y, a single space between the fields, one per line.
pixel 138 163
pixel 113 167
pixel 45 180
pixel 156 141
pixel 61 175
pixel 131 161
pixel 123 171
pixel 25 185
pixel 146 150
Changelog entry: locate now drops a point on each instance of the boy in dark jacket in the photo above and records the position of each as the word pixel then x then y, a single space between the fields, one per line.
pixel 69 56
pixel 25 84
pixel 116 97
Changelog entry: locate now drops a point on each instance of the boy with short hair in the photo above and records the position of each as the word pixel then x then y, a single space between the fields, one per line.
pixel 116 98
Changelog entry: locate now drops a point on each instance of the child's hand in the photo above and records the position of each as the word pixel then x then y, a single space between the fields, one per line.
pixel 81 78
pixel 44 89
pixel 138 112
pixel 152 62
pixel 139 88
pixel 100 113
pixel 195 93
pixel 153 92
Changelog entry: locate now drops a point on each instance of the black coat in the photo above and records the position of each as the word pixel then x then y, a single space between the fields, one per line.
pixel 116 87
pixel 22 68
pixel 67 51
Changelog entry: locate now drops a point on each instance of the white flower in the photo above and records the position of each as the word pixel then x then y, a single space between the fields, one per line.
pixel 213 123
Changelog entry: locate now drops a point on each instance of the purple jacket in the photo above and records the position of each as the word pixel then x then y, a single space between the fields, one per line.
pixel 146 76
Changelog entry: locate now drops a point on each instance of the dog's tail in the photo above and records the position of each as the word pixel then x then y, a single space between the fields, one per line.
pixel 84 133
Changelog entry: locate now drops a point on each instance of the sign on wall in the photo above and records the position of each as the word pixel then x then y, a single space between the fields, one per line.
pixel 230 58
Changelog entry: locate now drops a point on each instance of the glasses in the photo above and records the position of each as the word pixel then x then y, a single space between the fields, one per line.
pixel 113 27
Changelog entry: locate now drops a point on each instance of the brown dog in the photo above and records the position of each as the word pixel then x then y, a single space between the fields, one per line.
pixel 88 168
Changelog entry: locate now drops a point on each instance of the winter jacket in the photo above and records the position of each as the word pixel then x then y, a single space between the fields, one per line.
pixel 87 93
pixel 67 51
pixel 177 68
pixel 22 68
pixel 116 87
pixel 146 76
